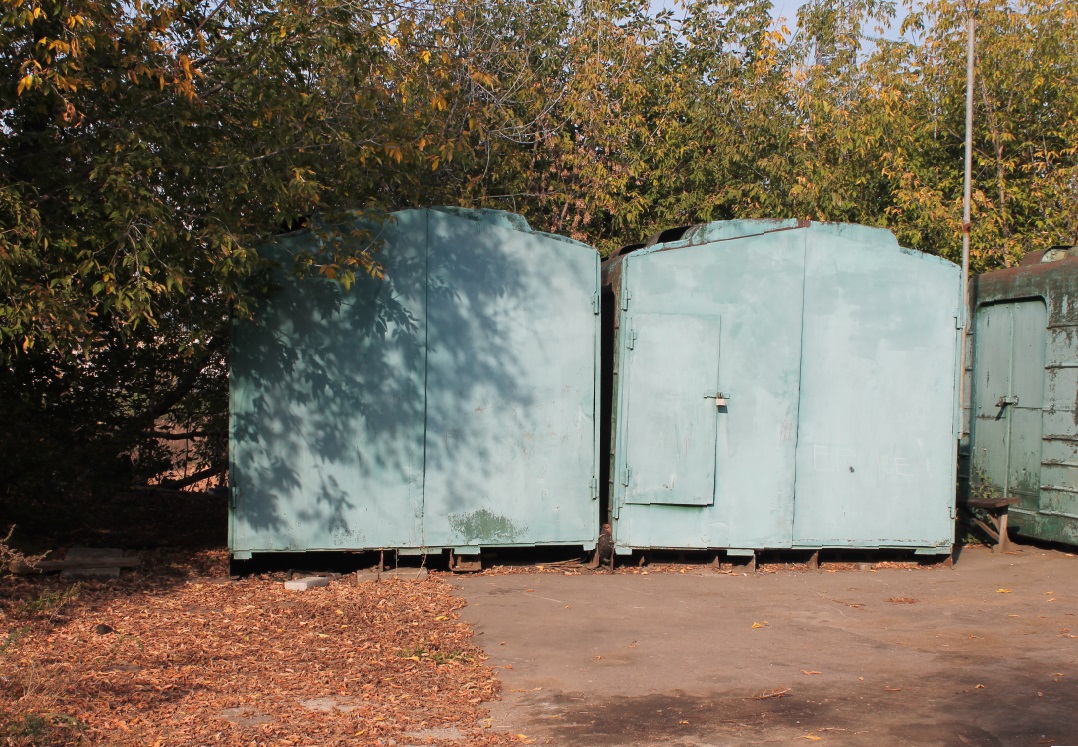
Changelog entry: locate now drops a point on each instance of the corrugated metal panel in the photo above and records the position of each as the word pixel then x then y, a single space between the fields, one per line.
pixel 1026 358
pixel 838 351
pixel 450 404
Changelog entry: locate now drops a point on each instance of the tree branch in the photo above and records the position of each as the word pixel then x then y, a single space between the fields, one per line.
pixel 184 384
pixel 203 474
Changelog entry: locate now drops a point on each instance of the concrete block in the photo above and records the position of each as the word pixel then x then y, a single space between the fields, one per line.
pixel 308 582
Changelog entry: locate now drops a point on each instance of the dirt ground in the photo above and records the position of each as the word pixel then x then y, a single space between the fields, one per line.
pixel 981 654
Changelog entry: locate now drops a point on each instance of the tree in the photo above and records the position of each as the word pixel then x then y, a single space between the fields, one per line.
pixel 145 151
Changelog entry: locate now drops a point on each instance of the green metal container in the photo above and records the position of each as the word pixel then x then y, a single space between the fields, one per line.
pixel 1024 429
pixel 782 384
pixel 450 405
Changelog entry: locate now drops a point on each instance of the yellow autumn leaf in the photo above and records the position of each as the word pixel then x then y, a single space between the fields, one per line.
pixel 811 737
pixel 25 83
pixel 759 625
pixel 1003 591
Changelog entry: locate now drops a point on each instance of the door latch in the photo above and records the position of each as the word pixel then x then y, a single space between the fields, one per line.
pixel 719 397
pixel 1004 401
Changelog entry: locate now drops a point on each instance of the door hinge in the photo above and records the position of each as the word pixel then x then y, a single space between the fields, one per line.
pixel 595 488
pixel 625 296
pixel 596 304
pixel 630 339
pixel 626 476
pixel 232 493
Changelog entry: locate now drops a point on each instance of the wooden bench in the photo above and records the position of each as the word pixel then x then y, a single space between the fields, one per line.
pixel 997 510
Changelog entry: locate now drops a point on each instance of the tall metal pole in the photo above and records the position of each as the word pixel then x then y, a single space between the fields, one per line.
pixel 966 209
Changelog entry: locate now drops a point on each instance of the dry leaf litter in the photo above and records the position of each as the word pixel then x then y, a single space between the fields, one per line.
pixel 176 654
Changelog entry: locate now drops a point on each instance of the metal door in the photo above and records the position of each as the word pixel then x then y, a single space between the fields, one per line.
pixel 875 433
pixel 1008 391
pixel 512 339
pixel 672 406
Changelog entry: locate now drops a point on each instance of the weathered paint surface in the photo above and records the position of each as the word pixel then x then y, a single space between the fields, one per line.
pixel 835 352
pixel 1024 391
pixel 449 405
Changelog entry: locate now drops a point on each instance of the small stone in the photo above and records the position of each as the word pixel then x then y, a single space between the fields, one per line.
pixel 308 582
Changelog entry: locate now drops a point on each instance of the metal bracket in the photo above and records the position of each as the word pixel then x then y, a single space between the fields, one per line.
pixel 719 397
pixel 1004 401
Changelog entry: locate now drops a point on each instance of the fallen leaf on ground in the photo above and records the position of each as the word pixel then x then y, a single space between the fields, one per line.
pixel 779 693
pixel 205 663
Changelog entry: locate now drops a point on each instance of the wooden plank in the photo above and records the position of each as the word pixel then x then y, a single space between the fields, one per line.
pixel 991 502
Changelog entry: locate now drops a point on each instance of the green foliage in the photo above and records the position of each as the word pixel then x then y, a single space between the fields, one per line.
pixel 36 730
pixel 145 150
